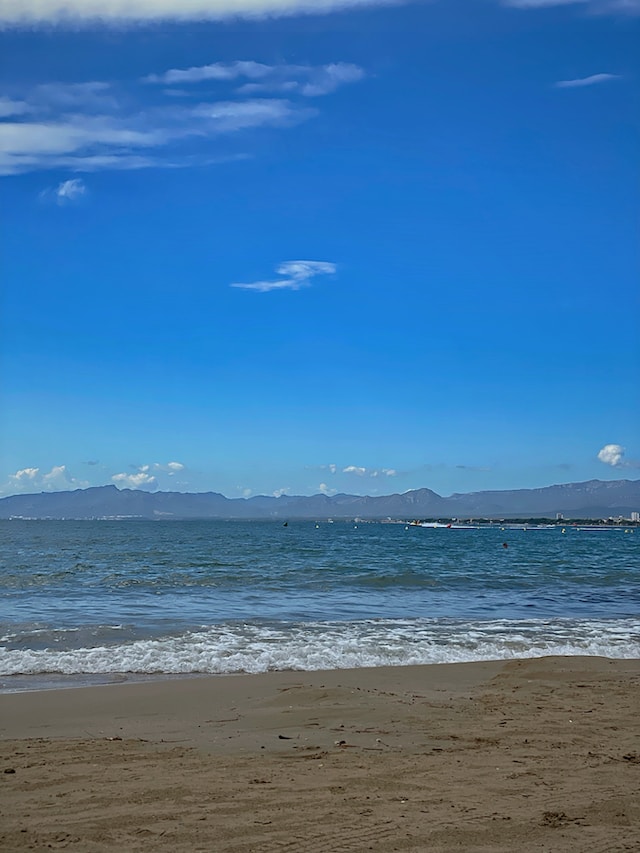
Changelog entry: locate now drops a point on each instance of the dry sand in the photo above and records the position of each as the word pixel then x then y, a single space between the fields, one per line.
pixel 536 755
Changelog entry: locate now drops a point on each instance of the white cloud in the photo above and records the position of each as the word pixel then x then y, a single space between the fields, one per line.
pixel 9 107
pixel 145 477
pixel 57 479
pixel 137 480
pixel 296 274
pixel 55 473
pixel 85 127
pixel 612 454
pixel 266 286
pixel 215 71
pixel 89 142
pixel 369 472
pixel 278 493
pixel 25 475
pixel 169 468
pixel 232 116
pixel 34 145
pixel 332 468
pixel 303 270
pixel 328 78
pixel 73 12
pixel 66 192
pixel 586 81
pixel 307 80
pixel 71 190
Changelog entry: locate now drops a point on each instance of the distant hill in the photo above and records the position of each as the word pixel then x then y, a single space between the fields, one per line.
pixel 593 499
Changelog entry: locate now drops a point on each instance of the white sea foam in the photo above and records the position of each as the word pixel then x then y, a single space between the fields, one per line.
pixel 310 646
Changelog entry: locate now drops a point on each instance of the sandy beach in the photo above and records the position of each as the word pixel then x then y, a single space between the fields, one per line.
pixel 530 755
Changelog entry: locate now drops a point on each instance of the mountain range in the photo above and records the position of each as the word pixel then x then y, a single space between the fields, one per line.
pixel 592 499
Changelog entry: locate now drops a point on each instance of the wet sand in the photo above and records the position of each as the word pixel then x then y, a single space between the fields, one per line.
pixel 535 755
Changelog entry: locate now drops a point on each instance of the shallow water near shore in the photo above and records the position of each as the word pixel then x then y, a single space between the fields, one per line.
pixel 92 599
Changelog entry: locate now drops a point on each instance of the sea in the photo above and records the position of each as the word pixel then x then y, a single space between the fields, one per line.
pixel 95 602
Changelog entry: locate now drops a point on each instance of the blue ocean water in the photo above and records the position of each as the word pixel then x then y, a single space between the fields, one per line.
pixel 92 599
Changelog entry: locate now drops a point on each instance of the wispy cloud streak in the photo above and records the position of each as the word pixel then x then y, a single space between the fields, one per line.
pixel 67 192
pixel 297 274
pixel 600 7
pixel 100 125
pixel 74 12
pixel 307 80
pixel 592 80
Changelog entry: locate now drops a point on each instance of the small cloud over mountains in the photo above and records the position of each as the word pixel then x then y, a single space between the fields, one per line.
pixel 611 454
pixel 34 479
pixel 140 479
pixel 355 469
pixel 169 468
pixel 324 489
pixel 614 455
pixel 145 476
pixel 360 471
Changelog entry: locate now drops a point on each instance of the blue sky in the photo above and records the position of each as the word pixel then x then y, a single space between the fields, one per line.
pixel 270 246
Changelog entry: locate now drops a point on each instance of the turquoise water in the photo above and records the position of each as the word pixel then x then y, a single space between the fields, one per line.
pixel 104 597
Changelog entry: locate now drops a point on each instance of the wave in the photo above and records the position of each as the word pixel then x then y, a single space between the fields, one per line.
pixel 262 647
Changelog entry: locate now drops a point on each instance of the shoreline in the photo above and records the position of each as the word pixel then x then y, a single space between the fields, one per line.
pixel 34 683
pixel 529 754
